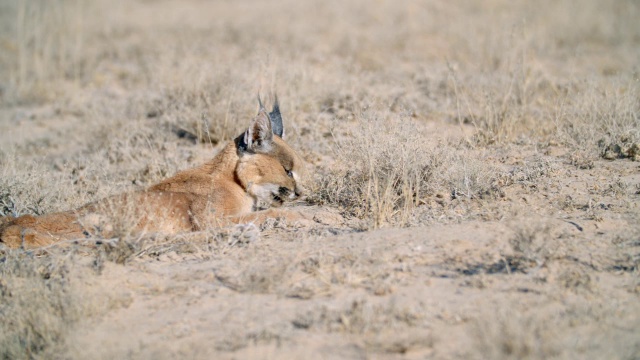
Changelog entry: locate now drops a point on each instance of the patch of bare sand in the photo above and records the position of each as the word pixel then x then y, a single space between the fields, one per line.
pixel 460 290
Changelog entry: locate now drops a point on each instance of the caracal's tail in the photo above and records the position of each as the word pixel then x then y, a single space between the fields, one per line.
pixel 29 231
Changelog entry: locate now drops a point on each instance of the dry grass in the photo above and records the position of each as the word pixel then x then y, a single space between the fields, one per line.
pixel 378 179
pixel 533 241
pixel 510 335
pixel 49 47
pixel 605 117
pixel 409 114
pixel 385 170
pixel 22 193
pixel 41 300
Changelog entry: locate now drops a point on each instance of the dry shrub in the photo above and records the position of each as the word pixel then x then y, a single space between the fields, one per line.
pixel 605 117
pixel 515 93
pixel 194 245
pixel 593 22
pixel 384 169
pixel 531 172
pixel 261 278
pixel 387 168
pixel 207 108
pixel 499 109
pixel 599 328
pixel 208 242
pixel 532 240
pixel 44 297
pixel 504 105
pixel 360 316
pixel 27 187
pixel 39 304
pixel 327 271
pixel 465 174
pixel 507 334
pixel 48 47
pixel 627 248
pixel 502 98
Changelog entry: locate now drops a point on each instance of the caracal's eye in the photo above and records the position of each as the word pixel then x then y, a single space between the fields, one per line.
pixel 289 173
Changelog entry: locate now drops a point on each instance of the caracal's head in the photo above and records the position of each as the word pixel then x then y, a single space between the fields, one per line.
pixel 269 169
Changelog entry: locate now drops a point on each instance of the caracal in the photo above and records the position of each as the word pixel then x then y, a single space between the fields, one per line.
pixel 258 168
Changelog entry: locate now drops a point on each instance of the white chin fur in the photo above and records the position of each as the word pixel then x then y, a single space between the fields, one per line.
pixel 264 192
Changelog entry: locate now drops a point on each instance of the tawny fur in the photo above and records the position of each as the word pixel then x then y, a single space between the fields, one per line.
pixel 258 166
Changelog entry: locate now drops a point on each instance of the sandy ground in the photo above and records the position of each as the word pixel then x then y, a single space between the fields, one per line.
pixel 432 292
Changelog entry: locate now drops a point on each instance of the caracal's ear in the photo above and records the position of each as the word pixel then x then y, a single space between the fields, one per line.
pixel 259 135
pixel 276 119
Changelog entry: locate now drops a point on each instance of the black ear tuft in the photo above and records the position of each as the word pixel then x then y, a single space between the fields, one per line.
pixel 276 119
